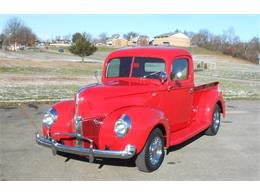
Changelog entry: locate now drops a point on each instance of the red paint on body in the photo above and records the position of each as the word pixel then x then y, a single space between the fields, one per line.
pixel 179 108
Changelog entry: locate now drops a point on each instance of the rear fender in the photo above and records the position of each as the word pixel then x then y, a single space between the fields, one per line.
pixel 204 104
pixel 143 120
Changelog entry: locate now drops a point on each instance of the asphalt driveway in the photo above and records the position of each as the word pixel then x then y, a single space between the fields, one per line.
pixel 234 154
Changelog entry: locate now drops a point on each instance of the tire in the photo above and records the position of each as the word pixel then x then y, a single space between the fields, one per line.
pixel 215 123
pixel 145 161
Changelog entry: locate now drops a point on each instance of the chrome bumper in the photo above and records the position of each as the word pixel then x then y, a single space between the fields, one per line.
pixel 127 153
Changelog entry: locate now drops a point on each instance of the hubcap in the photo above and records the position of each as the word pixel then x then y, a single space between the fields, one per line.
pixel 216 119
pixel 155 150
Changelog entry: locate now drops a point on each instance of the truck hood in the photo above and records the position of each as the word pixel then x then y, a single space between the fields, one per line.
pixel 102 99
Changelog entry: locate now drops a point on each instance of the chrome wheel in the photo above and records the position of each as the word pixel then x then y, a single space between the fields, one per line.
pixel 155 150
pixel 216 119
pixel 215 123
pixel 152 155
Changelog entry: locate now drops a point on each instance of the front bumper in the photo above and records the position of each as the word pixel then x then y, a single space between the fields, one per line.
pixel 127 153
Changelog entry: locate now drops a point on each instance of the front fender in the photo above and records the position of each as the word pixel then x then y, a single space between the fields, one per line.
pixel 65 112
pixel 143 119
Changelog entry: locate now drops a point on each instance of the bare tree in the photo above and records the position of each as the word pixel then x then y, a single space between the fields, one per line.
pixel 228 43
pixel 2 38
pixel 102 38
pixel 26 36
pixel 229 35
pixel 11 30
pixel 202 38
pixel 17 33
pixel 130 35
pixel 253 49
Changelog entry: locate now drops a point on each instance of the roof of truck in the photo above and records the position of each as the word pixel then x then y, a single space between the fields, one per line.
pixel 150 51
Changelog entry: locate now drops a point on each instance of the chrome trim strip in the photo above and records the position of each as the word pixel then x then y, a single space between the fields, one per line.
pixel 127 153
pixel 77 118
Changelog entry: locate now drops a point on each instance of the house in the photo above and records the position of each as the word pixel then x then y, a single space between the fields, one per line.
pixel 61 42
pixel 116 41
pixel 141 40
pixel 172 39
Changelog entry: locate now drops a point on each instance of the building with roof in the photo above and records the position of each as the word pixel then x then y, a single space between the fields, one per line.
pixel 141 40
pixel 172 39
pixel 116 41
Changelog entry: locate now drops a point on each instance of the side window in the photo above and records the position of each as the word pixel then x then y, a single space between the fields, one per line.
pixel 119 67
pixel 179 69
pixel 113 68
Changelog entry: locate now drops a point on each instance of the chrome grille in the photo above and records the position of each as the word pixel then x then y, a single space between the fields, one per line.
pixel 91 129
pixel 78 129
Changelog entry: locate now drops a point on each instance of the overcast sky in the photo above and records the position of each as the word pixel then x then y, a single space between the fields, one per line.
pixel 49 26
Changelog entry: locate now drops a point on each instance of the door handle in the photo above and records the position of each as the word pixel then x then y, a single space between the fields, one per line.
pixel 170 88
pixel 191 91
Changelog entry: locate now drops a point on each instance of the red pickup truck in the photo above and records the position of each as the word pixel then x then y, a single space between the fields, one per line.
pixel 146 103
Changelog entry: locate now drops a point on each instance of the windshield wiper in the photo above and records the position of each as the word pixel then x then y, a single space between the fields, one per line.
pixel 153 73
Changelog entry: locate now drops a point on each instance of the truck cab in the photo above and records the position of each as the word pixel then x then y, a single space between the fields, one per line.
pixel 145 103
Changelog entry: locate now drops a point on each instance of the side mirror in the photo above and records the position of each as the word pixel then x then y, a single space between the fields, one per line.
pixel 178 75
pixel 163 77
pixel 96 75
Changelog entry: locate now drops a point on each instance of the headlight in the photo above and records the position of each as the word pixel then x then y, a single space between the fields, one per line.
pixel 122 125
pixel 50 117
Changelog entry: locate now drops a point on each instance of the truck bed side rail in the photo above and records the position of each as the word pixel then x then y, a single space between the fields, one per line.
pixel 206 86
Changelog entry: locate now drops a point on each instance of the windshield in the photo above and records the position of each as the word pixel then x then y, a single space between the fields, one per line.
pixel 148 67
pixel 142 67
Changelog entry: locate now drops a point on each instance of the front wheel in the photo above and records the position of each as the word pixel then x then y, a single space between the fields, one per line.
pixel 152 154
pixel 215 123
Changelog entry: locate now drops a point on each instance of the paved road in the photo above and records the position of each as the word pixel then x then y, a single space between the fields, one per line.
pixel 234 154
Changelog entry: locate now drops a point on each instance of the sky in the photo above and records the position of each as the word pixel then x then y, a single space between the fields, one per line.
pixel 48 26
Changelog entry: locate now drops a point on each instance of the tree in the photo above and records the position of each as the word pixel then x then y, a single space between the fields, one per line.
pixel 11 30
pixel 26 36
pixel 176 31
pixel 81 45
pixel 201 38
pixel 253 49
pixel 102 38
pixel 76 36
pixel 228 43
pixel 17 33
pixel 130 35
pixel 2 38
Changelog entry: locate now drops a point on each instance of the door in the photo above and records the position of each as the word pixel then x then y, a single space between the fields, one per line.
pixel 180 93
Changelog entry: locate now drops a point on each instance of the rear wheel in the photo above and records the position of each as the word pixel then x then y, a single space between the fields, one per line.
pixel 152 154
pixel 215 124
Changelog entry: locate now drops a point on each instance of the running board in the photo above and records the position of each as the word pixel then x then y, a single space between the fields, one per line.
pixel 187 133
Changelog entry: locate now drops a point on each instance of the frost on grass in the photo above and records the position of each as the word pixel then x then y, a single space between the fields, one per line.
pixel 37 92
pixel 244 88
